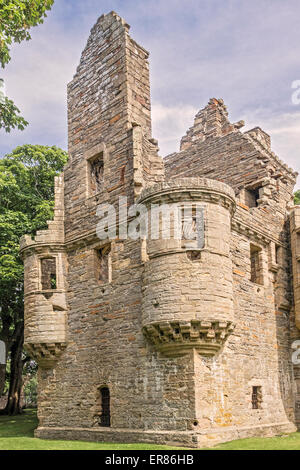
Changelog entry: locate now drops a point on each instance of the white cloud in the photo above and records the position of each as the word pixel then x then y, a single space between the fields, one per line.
pixel 170 124
pixel 243 52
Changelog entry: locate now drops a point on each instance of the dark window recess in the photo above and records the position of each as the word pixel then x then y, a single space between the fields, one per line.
pixel 53 281
pixel 105 407
pixel 256 195
pixel 256 398
pixel 277 254
pixel 103 264
pixel 256 265
pixel 194 255
pixel 48 270
pixel 96 174
pixel 252 197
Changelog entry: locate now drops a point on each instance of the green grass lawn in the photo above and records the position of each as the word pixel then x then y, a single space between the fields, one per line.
pixel 16 433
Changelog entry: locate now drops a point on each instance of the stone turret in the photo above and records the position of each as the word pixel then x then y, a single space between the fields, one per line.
pixel 187 287
pixel 45 287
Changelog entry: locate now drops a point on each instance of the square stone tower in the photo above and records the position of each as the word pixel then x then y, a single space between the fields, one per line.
pixel 162 339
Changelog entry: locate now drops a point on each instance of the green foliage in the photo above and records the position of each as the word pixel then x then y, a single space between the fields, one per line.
pixel 9 116
pixel 16 18
pixel 30 384
pixel 17 434
pixel 30 392
pixel 297 197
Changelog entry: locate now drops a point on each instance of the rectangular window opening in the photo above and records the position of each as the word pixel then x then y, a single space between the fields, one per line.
pixel 277 254
pixel 256 397
pixel 252 197
pixel 256 265
pixel 48 274
pixel 103 264
pixel 96 172
pixel 297 280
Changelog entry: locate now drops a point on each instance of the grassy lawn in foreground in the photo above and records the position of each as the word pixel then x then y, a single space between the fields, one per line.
pixel 16 433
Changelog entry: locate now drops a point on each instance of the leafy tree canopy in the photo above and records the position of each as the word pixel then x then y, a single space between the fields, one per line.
pixel 9 116
pixel 16 19
pixel 297 197
pixel 26 203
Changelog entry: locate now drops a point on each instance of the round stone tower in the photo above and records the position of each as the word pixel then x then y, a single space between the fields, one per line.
pixel 45 308
pixel 187 280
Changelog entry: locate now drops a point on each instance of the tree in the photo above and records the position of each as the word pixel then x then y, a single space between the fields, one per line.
pixel 26 203
pixel 297 197
pixel 16 19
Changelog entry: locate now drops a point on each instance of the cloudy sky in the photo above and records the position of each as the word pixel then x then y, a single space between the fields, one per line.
pixel 244 52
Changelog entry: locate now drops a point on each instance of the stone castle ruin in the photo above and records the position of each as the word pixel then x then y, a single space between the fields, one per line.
pixel 159 340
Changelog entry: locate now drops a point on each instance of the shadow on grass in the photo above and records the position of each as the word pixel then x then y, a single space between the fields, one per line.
pixel 19 426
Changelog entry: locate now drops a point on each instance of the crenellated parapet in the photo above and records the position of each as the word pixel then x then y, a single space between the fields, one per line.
pixel 295 245
pixel 45 287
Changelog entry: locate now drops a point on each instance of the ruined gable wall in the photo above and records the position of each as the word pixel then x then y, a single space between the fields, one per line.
pixel 109 113
pixel 215 148
pixel 108 99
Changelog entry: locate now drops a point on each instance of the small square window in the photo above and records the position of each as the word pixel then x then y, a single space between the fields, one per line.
pixel 252 197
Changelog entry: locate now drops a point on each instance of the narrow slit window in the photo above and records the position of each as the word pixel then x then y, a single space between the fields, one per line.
pixel 48 274
pixel 96 172
pixel 298 273
pixel 105 407
pixel 103 264
pixel 298 243
pixel 188 224
pixel 256 397
pixel 277 254
pixel 256 265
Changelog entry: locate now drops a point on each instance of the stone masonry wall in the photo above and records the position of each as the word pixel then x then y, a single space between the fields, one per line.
pixel 181 336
